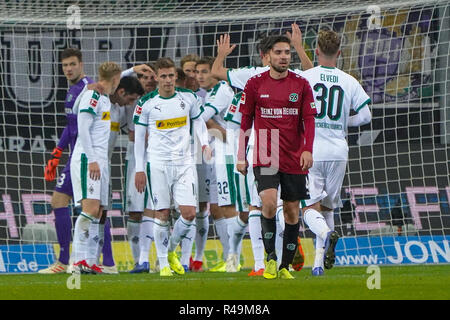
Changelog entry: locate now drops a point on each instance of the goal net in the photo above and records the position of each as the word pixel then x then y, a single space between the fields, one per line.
pixel 397 187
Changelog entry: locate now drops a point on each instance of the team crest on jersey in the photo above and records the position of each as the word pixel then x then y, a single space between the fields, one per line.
pixel 243 97
pixel 293 97
pixel 69 97
pixel 182 104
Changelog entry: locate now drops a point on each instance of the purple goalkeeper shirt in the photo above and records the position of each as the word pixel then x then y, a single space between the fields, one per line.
pixel 70 133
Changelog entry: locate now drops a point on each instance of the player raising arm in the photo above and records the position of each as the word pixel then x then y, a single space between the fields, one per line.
pixel 238 77
pixel 335 93
pixel 166 115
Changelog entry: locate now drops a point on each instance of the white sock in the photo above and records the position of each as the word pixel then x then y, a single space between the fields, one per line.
pixel 161 233
pixel 91 257
pixel 81 236
pixel 316 222
pixel 133 230
pixel 236 232
pixel 329 218
pixel 201 234
pixel 186 246
pixel 318 260
pixel 255 231
pixel 280 234
pixel 145 238
pixel 222 232
pixel 320 243
pixel 180 229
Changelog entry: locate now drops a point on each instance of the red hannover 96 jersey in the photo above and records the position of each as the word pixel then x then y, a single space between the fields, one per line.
pixel 283 107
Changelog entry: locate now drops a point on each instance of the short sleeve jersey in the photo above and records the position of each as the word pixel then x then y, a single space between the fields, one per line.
pixel 168 124
pixel 278 107
pixel 335 93
pixel 219 99
pixel 99 107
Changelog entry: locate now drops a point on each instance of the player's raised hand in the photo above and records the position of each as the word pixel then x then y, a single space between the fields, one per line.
pixel 142 68
pixel 140 181
pixel 295 36
pixel 306 160
pixel 94 171
pixel 223 45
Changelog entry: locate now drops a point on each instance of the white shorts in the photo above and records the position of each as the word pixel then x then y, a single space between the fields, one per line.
pixel 168 181
pixel 204 181
pixel 225 194
pixel 83 186
pixel 134 201
pixel 243 197
pixel 325 183
pixel 255 200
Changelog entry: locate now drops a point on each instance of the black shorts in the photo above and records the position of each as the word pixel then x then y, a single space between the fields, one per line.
pixel 293 186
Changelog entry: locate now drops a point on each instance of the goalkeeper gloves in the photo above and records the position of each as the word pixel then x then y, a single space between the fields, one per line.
pixel 52 164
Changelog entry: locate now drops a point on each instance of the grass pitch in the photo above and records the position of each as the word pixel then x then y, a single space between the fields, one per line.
pixel 397 282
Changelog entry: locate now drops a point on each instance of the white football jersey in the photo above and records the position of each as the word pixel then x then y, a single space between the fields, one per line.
pixel 335 93
pixel 238 77
pixel 233 117
pixel 99 106
pixel 168 122
pixel 219 99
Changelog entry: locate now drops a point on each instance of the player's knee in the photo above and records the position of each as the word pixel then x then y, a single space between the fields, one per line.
pixel 243 216
pixel 163 215
pixel 135 216
pixel 315 206
pixel 290 218
pixel 202 206
pixel 59 200
pixel 189 216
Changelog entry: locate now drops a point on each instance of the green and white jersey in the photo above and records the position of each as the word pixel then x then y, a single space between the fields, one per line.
pixel 233 118
pixel 99 106
pixel 335 93
pixel 168 122
pixel 217 101
pixel 238 77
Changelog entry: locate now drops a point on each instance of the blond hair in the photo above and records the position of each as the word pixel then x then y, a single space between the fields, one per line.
pixel 189 58
pixel 108 70
pixel 328 42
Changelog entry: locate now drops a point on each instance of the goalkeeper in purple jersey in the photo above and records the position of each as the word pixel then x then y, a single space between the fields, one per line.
pixel 72 65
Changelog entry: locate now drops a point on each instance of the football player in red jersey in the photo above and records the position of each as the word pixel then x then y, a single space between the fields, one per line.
pixel 281 105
